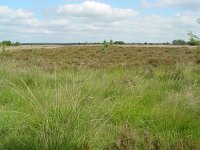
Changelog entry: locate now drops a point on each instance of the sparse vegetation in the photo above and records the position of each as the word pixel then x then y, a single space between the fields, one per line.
pixel 132 98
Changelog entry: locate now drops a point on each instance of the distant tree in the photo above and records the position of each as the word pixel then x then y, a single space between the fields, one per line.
pixel 105 46
pixel 193 38
pixel 119 42
pixel 145 43
pixel 111 42
pixel 166 43
pixel 7 43
pixel 179 42
pixel 17 44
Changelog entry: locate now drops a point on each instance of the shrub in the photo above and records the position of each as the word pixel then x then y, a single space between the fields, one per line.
pixel 17 44
pixel 193 39
pixel 179 42
pixel 111 42
pixel 119 42
pixel 105 46
pixel 9 43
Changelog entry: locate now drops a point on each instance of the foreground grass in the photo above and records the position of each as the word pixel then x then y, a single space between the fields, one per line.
pixel 119 108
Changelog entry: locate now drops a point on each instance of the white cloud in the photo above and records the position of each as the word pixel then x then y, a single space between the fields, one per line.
pixel 93 9
pixel 94 21
pixel 9 17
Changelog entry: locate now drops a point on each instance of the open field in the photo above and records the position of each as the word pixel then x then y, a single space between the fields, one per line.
pixel 25 47
pixel 30 47
pixel 95 57
pixel 81 97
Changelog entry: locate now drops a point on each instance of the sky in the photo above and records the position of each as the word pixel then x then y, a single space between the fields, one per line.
pixel 66 21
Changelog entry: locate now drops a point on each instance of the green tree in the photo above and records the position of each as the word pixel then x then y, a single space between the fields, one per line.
pixel 179 42
pixel 119 42
pixel 193 38
pixel 7 43
pixel 111 42
pixel 105 46
pixel 17 44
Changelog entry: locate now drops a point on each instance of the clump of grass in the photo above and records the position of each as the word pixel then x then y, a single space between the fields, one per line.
pixel 119 108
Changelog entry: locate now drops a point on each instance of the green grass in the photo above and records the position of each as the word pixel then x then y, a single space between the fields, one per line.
pixel 119 108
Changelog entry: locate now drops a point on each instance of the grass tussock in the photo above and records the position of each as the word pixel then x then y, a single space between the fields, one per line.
pixel 116 108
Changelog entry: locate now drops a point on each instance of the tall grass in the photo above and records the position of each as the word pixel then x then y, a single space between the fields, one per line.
pixel 99 109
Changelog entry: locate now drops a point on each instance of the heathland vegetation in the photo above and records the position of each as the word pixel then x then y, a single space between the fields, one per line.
pixel 111 96
pixel 79 97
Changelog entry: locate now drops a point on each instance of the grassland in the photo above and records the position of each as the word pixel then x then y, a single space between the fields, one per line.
pixel 85 98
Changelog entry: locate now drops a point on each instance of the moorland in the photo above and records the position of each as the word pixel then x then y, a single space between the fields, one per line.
pixel 88 97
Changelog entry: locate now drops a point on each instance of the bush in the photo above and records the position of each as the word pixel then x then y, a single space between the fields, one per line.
pixel 105 46
pixel 193 38
pixel 167 43
pixel 9 43
pixel 111 42
pixel 119 42
pixel 17 44
pixel 179 42
pixel 193 42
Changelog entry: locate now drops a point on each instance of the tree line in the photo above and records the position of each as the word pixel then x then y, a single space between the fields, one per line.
pixel 191 42
pixel 9 43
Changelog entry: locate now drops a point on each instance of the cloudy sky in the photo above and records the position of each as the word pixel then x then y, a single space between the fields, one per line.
pixel 94 21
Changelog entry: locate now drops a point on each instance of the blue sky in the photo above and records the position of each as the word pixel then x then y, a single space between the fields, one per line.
pixel 94 21
pixel 38 6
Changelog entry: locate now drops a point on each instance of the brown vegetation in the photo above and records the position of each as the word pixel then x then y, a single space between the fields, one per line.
pixel 94 57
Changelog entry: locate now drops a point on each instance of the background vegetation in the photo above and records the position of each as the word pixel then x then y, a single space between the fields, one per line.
pixel 9 43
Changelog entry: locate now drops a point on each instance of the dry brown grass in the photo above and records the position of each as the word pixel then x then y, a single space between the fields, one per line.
pixel 23 47
pixel 94 57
